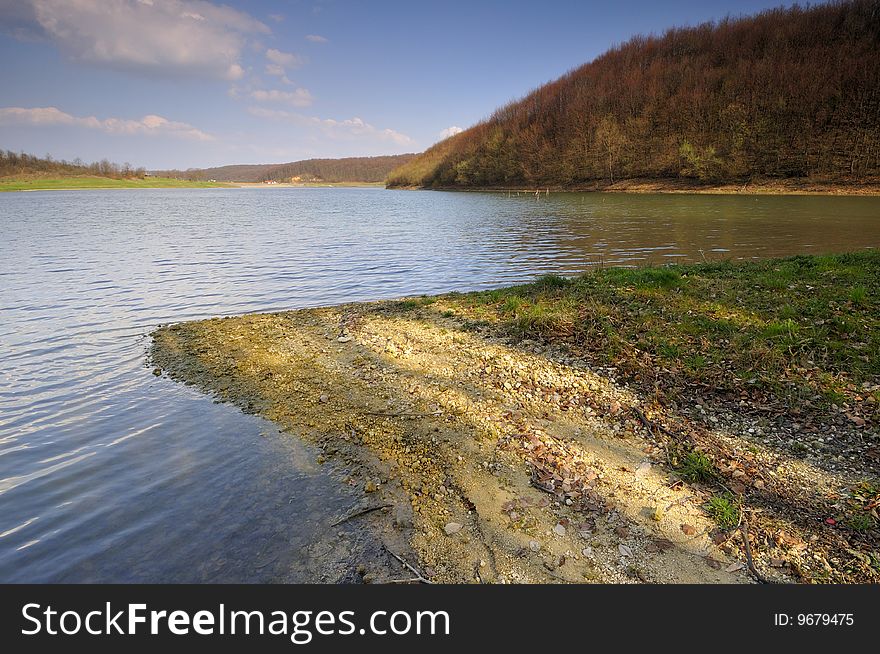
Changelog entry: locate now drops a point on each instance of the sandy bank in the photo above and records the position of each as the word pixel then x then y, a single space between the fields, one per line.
pixel 497 465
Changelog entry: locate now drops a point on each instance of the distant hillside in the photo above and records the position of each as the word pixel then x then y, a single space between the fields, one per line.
pixel 351 169
pixel 234 173
pixel 786 93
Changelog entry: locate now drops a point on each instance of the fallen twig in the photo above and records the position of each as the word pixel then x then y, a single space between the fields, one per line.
pixel 744 529
pixel 419 577
pixel 651 426
pixel 357 514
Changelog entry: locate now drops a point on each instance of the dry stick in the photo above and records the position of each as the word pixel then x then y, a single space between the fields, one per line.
pixel 418 574
pixel 744 529
pixel 357 514
pixel 651 426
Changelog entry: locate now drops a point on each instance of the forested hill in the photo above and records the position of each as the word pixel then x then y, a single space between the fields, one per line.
pixel 786 93
pixel 350 169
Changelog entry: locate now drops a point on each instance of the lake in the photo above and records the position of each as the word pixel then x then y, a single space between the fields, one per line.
pixel 108 473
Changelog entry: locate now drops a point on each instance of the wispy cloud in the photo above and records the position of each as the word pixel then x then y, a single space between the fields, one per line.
pixel 52 116
pixel 156 37
pixel 276 17
pixel 450 131
pixel 297 98
pixel 285 59
pixel 352 128
pixel 316 38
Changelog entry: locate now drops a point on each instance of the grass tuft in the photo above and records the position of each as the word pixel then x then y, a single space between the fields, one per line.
pixel 696 466
pixel 724 510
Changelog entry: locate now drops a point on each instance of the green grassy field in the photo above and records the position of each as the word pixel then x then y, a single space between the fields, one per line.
pixel 36 183
pixel 805 329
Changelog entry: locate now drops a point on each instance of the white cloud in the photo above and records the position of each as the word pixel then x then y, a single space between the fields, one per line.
pixel 167 37
pixel 316 38
pixel 285 59
pixel 277 17
pixel 450 131
pixel 275 69
pixel 150 124
pixel 296 98
pixel 352 128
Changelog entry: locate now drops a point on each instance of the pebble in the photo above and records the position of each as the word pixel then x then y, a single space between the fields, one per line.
pixel 534 545
pixel 559 530
pixel 452 528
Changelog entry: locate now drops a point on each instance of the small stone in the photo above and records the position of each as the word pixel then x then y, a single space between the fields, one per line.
pixel 157 372
pixel 559 530
pixel 324 398
pixel 534 545
pixel 657 514
pixel 624 550
pixel 587 551
pixel 688 530
pixel 344 339
pixel 371 487
pixel 452 528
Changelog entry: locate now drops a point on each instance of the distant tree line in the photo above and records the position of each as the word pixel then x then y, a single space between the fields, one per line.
pixel 786 93
pixel 350 169
pixel 20 163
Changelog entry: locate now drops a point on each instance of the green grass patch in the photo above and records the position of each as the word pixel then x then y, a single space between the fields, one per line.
pixel 696 466
pixel 860 521
pixel 798 329
pixel 36 183
pixel 411 303
pixel 858 295
pixel 724 510
pixel 549 282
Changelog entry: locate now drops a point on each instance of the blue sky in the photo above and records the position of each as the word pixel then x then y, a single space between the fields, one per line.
pixel 191 83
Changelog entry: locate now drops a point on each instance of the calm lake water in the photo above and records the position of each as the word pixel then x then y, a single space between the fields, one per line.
pixel 108 473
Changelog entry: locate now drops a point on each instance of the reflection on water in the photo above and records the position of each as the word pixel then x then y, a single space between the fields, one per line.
pixel 110 474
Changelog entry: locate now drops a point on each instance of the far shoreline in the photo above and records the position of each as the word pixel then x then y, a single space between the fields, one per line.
pixel 12 185
pixel 795 186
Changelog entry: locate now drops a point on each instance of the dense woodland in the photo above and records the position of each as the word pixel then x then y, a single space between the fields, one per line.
pixel 786 93
pixel 351 169
pixel 19 163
